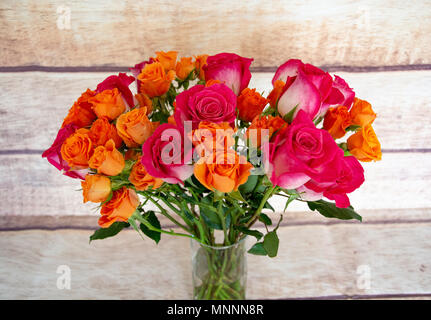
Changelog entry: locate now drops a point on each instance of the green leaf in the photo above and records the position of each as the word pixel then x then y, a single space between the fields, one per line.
pixel 193 182
pixel 127 167
pixel 237 196
pixel 118 183
pixel 330 210
pixel 108 199
pixel 228 219
pixel 347 153
pixel 260 189
pixel 258 249
pixel 266 182
pixel 185 209
pixel 151 217
pixel 343 146
pixel 267 205
pixel 113 229
pixel 318 120
pixel 255 233
pixel 218 195
pixel 288 117
pixel 288 201
pixel 353 127
pixel 270 243
pixel 245 218
pixel 132 222
pixel 249 185
pixel 265 219
pixel 211 218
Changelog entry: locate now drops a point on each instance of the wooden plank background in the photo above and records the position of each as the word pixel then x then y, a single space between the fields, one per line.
pixel 314 261
pixel 381 48
pixel 333 32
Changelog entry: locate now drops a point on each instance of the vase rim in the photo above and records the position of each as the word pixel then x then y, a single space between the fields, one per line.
pixel 221 247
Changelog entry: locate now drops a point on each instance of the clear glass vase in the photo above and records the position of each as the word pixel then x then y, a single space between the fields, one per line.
pixel 219 272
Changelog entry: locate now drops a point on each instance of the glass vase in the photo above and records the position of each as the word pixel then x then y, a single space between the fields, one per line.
pixel 219 272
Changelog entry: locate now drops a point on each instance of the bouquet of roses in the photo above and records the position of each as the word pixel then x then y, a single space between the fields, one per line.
pixel 208 152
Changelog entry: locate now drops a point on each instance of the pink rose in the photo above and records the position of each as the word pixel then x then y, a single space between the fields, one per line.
pixel 341 94
pixel 310 89
pixel 350 176
pixel 121 82
pixel 53 154
pixel 229 68
pixel 165 154
pixel 216 103
pixel 300 153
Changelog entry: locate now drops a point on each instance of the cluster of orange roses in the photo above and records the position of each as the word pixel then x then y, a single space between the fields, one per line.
pixel 114 140
pixel 363 144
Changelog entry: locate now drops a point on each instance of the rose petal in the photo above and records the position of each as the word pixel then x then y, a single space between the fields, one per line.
pixel 287 69
pixel 301 93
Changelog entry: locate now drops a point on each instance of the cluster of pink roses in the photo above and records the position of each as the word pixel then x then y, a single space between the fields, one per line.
pixel 309 160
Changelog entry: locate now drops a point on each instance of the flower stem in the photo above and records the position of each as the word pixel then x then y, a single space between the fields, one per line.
pixel 269 192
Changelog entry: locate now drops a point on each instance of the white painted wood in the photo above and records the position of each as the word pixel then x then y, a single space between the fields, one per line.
pixel 332 32
pixel 313 261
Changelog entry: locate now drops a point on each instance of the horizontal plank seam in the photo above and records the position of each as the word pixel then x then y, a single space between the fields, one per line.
pixel 111 68
pixel 284 224
pixel 364 296
pixel 9 152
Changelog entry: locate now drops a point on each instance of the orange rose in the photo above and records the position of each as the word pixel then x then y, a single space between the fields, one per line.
pixel 154 81
pixel 144 101
pixel 211 136
pixel 120 208
pixel 167 59
pixel 210 82
pixel 250 104
pixel 274 125
pixel 108 103
pixel 222 171
pixel 96 188
pixel 361 113
pixel 140 178
pixel 77 149
pixel 102 130
pixel 134 127
pixel 364 145
pixel 81 113
pixel 336 121
pixel 184 67
pixel 200 61
pixel 274 95
pixel 107 160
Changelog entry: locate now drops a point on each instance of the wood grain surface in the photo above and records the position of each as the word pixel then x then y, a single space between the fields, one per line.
pixel 100 33
pixel 44 224
pixel 313 261
pixel 34 105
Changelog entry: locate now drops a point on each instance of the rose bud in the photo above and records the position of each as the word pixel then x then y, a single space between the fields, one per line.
pixel 107 159
pixel 96 188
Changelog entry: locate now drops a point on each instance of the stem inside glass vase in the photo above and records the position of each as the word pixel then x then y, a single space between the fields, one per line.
pixel 219 272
